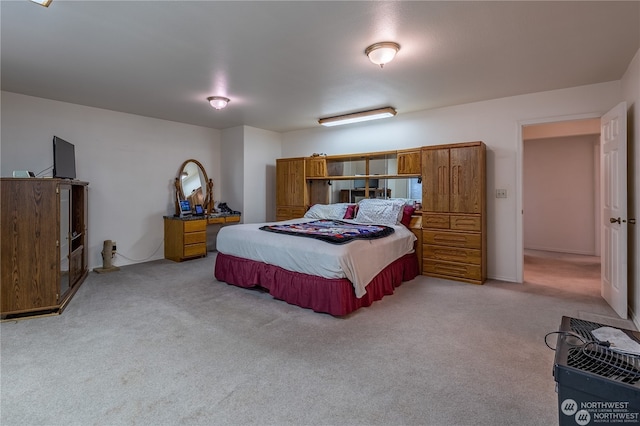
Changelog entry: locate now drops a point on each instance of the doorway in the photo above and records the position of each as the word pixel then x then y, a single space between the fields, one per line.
pixel 560 198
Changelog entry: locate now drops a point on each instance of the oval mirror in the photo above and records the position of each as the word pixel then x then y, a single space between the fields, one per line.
pixel 191 183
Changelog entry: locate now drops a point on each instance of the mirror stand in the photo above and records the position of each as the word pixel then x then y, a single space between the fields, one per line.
pixel 176 199
pixel 192 184
pixel 209 202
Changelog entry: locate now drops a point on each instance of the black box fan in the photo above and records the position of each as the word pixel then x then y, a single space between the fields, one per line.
pixel 596 383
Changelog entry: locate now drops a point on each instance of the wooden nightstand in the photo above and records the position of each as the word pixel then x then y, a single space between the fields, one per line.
pixel 416 227
pixel 185 238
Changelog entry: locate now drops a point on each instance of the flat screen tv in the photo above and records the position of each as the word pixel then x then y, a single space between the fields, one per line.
pixel 64 159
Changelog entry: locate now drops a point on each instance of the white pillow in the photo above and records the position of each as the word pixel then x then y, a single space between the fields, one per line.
pixel 327 211
pixel 378 211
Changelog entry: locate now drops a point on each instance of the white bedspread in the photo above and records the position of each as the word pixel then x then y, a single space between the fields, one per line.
pixel 359 261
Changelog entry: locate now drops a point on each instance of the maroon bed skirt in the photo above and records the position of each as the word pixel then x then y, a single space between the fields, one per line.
pixel 333 296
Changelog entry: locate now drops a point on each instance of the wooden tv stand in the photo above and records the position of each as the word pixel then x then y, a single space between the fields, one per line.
pixel 44 244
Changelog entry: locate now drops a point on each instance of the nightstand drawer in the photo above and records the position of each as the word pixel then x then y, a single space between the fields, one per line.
pixel 195 237
pixel 195 225
pixel 452 254
pixel 293 212
pixel 283 211
pixel 223 219
pixel 195 250
pixel 297 212
pixel 454 239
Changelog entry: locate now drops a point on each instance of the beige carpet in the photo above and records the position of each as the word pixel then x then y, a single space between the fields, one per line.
pixel 163 343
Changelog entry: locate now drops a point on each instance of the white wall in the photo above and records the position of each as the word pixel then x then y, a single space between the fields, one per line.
pixel 262 148
pixel 496 122
pixel 631 94
pixel 559 194
pixel 249 170
pixel 129 161
pixel 232 168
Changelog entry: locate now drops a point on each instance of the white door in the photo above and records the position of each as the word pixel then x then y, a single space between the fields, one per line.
pixel 613 184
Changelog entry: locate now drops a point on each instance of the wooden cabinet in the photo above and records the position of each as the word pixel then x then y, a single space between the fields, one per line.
pixel 409 162
pixel 416 227
pixel 435 180
pixel 315 167
pixel 451 229
pixel 304 181
pixel 454 211
pixel 184 238
pixel 43 258
pixel 352 177
pixel 291 188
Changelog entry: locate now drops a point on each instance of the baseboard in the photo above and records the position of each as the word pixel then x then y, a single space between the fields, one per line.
pixel 562 250
pixel 507 279
pixel 634 318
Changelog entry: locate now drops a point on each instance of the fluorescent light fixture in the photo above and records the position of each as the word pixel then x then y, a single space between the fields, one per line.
pixel 382 53
pixel 44 3
pixel 356 117
pixel 218 102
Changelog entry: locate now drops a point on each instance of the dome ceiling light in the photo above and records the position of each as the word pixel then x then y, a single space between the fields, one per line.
pixel 218 102
pixel 382 53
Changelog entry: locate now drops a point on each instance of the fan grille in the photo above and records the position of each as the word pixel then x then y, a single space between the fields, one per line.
pixel 601 360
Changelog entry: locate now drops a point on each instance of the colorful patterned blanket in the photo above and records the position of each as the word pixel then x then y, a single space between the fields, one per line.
pixel 331 231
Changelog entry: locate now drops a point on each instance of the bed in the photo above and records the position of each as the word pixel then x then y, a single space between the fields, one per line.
pixel 331 278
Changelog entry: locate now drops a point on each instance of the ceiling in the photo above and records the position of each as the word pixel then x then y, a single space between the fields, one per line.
pixel 286 64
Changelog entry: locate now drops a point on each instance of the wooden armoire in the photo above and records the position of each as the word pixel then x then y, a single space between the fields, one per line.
pixel 44 244
pixel 454 234
pixel 291 188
